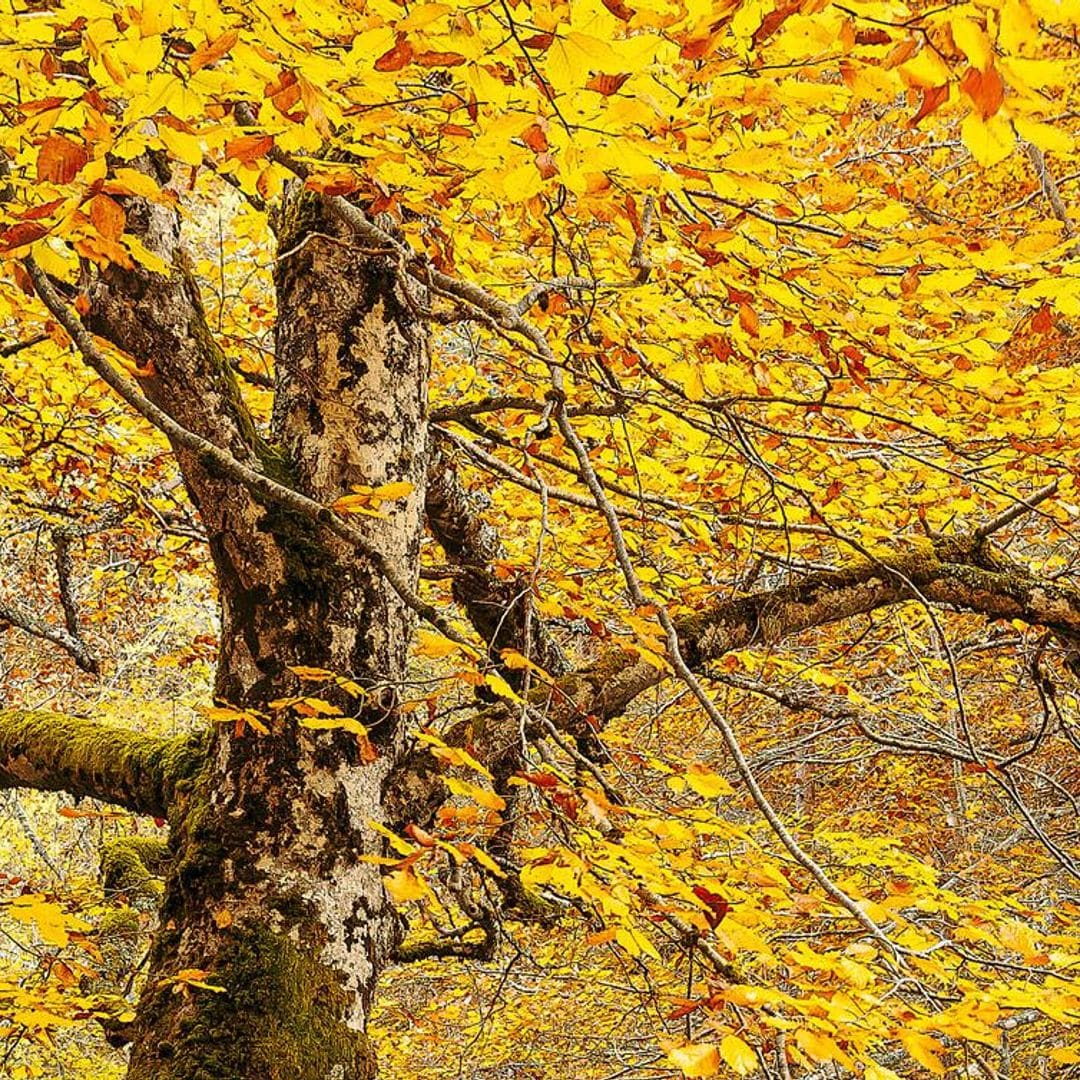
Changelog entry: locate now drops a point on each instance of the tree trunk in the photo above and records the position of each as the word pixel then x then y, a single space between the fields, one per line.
pixel 268 894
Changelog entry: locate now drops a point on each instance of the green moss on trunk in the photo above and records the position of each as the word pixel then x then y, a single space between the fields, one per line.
pixel 278 1017
pixel 132 866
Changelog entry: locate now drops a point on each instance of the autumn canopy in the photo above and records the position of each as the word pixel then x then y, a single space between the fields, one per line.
pixel 538 539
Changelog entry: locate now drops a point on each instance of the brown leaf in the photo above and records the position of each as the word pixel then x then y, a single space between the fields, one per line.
pixel 538 41
pixel 26 232
pixel 619 9
pixel 607 84
pixel 285 92
pixel 22 279
pixel 396 58
pixel 60 159
pixel 910 281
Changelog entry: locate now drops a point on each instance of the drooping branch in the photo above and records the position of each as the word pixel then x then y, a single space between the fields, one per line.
pixel 54 752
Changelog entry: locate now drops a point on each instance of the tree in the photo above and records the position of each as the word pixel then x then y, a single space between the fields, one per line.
pixel 721 302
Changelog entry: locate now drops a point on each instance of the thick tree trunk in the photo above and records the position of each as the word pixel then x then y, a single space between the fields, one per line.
pixel 268 894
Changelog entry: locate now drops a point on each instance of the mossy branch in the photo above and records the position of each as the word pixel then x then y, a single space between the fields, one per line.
pixel 54 752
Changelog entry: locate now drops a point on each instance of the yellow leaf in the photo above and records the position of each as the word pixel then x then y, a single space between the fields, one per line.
pixel 972 42
pixel 334 723
pixel 879 1072
pixel 501 687
pixel 313 706
pixel 695 1059
pixel 924 1050
pixel 989 141
pixel 397 490
pixel 403 886
pixel 48 918
pixel 1064 1055
pixel 482 857
pixel 737 1055
pixel 707 783
pixel 452 755
pixel 434 645
pixel 143 255
pixel 314 674
pixel 1049 137
pixel 132 182
pixel 181 145
pixel 475 792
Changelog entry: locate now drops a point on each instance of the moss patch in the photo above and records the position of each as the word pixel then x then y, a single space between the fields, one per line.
pixel 278 1018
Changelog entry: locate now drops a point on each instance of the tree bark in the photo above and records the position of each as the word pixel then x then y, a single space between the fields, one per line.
pixel 267 891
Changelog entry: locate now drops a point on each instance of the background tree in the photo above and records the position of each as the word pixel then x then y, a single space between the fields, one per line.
pixel 550 389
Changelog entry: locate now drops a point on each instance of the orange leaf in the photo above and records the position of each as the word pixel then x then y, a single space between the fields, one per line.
pixel 534 138
pixel 212 51
pixel 439 59
pixel 932 97
pixel 607 84
pixel 748 319
pixel 60 159
pixel 108 217
pixel 985 89
pixel 249 148
pixel 1043 322
pixel 333 183
pixel 396 58
pixel 773 21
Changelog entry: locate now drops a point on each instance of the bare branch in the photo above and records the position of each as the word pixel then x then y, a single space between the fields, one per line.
pixel 67 641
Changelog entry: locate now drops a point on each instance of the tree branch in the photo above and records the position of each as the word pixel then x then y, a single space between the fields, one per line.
pixel 69 642
pixel 963 573
pixel 54 752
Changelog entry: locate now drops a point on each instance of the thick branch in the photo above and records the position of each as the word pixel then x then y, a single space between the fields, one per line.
pixel 959 573
pixel 499 609
pixel 54 752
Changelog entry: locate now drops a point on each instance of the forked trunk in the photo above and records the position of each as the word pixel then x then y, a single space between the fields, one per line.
pixel 268 894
